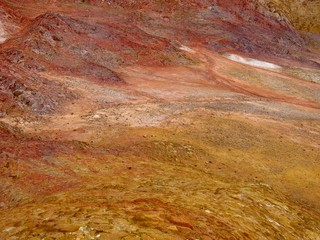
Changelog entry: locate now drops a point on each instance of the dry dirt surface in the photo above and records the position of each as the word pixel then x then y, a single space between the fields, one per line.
pixel 179 120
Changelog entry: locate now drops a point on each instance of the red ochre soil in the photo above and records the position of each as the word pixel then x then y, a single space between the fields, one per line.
pixel 127 120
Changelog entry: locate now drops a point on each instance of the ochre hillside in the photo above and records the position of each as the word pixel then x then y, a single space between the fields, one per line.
pixel 181 119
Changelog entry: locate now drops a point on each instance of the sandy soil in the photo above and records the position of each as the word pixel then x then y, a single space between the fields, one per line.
pixel 173 154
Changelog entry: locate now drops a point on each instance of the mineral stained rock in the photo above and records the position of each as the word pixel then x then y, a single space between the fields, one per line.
pixel 158 119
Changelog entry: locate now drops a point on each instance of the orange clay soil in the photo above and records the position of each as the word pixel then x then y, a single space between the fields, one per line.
pixel 129 120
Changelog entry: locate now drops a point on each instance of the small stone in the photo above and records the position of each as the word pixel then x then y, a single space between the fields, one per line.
pixel 181 221
pixel 173 228
pixel 6 155
pixel 8 229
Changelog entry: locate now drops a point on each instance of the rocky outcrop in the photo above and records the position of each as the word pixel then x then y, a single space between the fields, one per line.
pixel 302 14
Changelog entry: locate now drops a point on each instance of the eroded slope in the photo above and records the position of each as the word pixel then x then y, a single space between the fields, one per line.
pixel 157 120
